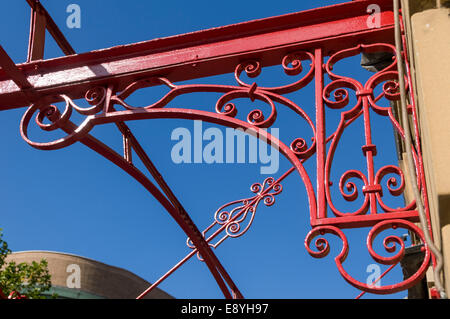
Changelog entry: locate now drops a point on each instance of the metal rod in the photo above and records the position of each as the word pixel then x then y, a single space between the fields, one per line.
pixel 36 42
pixel 127 153
pixel 320 135
pixel 378 279
pixel 52 27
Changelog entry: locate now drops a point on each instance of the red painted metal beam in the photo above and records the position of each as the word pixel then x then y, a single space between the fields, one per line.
pixel 365 220
pixel 195 55
pixel 9 67
pixel 38 24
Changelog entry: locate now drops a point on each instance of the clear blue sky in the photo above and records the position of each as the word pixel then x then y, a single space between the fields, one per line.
pixel 74 201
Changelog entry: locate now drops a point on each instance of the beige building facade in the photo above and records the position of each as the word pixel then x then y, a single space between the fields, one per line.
pixel 428 28
pixel 75 277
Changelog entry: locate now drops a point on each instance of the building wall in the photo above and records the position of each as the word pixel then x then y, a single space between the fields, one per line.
pixel 430 37
pixel 82 278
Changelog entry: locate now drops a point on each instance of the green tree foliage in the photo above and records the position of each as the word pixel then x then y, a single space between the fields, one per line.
pixel 31 280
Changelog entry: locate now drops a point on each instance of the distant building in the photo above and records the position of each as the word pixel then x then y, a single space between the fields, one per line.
pixel 75 277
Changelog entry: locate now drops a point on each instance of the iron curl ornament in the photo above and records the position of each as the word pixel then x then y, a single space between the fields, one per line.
pixel 96 97
pixel 372 211
pixel 365 101
pixel 234 219
pixel 390 244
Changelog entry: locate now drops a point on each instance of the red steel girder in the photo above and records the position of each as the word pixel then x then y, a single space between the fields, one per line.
pixel 8 66
pixel 195 55
pixel 38 24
